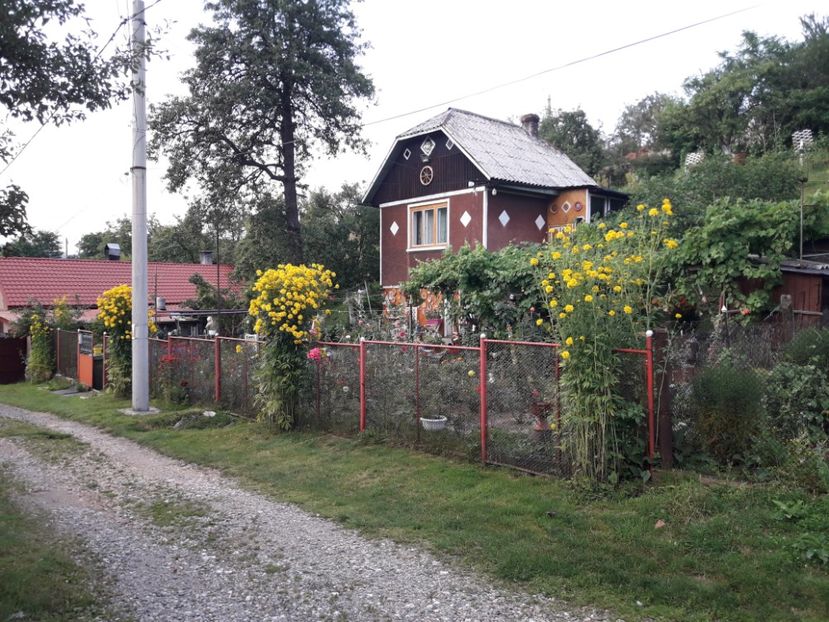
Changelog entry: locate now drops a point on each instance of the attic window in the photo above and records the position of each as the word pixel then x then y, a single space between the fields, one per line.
pixel 407 154
pixel 449 144
pixel 427 147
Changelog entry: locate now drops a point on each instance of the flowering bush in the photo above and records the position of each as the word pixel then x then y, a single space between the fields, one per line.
pixel 39 363
pixel 601 285
pixel 115 313
pixel 287 299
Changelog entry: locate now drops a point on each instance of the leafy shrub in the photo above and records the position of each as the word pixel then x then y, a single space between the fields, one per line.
pixel 797 400
pixel 810 346
pixel 728 407
pixel 806 465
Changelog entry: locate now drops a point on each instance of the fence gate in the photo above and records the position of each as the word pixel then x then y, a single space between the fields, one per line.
pixel 12 360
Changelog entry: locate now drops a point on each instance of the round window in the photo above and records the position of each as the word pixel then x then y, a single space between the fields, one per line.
pixel 426 175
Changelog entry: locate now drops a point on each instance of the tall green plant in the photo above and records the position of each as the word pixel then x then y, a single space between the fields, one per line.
pixel 286 300
pixel 602 287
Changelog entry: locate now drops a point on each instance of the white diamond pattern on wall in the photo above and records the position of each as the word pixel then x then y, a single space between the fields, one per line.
pixel 394 228
pixel 466 219
pixel 503 218
pixel 540 222
pixel 566 207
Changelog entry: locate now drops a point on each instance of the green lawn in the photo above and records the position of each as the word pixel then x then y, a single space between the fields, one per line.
pixel 726 552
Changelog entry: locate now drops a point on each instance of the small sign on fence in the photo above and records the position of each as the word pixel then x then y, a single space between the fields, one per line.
pixel 85 343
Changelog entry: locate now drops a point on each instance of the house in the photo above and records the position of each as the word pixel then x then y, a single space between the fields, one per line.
pixel 460 178
pixel 27 279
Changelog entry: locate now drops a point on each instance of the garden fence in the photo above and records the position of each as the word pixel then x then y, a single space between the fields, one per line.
pixel 498 402
pixel 66 353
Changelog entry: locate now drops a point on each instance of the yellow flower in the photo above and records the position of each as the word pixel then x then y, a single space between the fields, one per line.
pixel 670 243
pixel 565 355
pixel 539 322
pixel 533 261
pixel 553 303
pixel 562 315
pixel 588 298
pixel 678 316
pixel 569 308
pixel 623 225
pixel 640 208
pixel 569 341
pixel 548 289
pixel 471 373
pixel 611 313
pixel 555 255
pixel 628 309
pixel 653 212
pixel 238 348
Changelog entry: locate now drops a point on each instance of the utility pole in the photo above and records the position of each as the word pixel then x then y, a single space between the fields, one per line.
pixel 140 332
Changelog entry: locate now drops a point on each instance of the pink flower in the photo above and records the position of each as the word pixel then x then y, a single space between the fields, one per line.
pixel 315 354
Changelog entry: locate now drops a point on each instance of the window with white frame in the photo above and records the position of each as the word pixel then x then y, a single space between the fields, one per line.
pixel 430 225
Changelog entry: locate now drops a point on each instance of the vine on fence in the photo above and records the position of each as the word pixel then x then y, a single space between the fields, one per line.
pixel 287 299
pixel 115 313
pixel 602 287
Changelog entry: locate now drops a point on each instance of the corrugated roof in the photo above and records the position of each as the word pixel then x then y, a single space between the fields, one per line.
pixel 23 279
pixel 504 151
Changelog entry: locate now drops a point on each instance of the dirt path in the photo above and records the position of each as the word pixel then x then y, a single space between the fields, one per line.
pixel 180 542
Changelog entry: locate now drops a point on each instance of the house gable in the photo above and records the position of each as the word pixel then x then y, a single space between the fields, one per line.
pixel 403 177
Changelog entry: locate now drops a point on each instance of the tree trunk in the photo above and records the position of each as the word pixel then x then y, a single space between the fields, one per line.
pixel 286 134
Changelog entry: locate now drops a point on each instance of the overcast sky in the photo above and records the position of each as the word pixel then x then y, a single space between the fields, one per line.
pixel 422 53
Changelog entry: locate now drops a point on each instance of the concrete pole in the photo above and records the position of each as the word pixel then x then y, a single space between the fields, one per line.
pixel 140 371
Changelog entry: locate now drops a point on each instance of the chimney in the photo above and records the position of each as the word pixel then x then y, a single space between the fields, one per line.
pixel 112 251
pixel 206 258
pixel 530 124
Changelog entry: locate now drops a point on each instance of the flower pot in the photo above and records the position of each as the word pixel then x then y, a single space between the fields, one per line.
pixel 432 425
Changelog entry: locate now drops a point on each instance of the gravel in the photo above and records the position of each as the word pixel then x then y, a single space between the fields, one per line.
pixel 184 543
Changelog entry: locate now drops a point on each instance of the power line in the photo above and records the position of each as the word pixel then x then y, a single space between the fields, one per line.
pixel 564 66
pixel 100 51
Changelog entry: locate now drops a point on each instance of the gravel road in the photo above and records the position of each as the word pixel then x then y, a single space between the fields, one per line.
pixel 183 543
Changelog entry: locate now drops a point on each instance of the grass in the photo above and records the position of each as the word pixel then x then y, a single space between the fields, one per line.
pixel 725 552
pixel 38 576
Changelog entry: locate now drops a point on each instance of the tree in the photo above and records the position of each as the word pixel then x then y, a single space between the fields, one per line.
pixel 638 124
pixel 181 242
pixel 272 77
pixel 48 81
pixel 343 235
pixel 34 244
pixel 91 245
pixel 571 132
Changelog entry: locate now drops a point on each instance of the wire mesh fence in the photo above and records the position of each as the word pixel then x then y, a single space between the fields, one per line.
pixel 66 350
pixel 524 406
pixel 335 375
pixel 192 368
pixel 237 364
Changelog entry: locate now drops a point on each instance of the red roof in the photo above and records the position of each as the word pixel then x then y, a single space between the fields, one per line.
pixel 23 279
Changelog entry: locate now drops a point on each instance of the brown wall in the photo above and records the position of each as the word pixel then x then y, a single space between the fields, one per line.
pixel 522 211
pixel 557 217
pixel 396 260
pixel 452 171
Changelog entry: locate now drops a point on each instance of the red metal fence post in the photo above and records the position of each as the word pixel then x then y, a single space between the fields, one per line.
pixel 362 384
pixel 217 370
pixel 104 361
pixel 482 384
pixel 651 414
